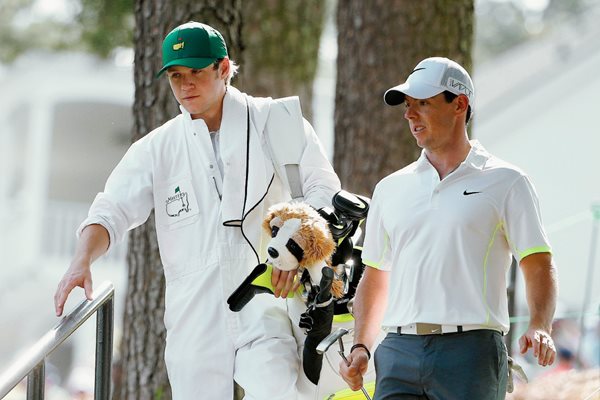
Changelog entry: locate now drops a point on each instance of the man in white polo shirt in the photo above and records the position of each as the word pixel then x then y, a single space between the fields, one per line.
pixel 439 240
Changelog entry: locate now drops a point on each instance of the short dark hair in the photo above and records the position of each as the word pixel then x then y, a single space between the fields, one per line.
pixel 449 96
pixel 217 62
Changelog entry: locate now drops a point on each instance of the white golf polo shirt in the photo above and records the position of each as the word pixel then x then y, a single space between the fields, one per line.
pixel 448 243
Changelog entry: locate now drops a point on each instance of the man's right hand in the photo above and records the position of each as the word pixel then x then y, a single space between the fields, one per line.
pixel 284 282
pixel 78 274
pixel 356 368
pixel 93 242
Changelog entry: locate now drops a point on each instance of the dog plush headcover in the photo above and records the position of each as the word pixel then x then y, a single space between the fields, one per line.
pixel 311 232
pixel 300 238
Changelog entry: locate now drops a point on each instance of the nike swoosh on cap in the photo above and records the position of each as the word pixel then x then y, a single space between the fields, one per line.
pixel 465 193
pixel 415 70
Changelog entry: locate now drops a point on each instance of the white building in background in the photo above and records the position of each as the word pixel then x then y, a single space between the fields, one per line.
pixel 65 121
pixel 537 106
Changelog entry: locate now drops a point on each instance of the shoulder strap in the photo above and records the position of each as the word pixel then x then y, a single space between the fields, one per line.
pixel 286 140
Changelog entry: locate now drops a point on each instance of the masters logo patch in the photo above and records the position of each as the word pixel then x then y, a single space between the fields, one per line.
pixel 177 203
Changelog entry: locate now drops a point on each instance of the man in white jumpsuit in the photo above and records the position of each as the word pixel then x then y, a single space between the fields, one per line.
pixel 208 176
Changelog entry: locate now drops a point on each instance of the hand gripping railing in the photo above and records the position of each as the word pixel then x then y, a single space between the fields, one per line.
pixel 32 364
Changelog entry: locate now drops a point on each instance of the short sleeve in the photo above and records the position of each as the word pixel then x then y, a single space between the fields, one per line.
pixel 376 249
pixel 523 222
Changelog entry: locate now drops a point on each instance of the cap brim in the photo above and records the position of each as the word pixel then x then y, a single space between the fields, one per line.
pixel 395 95
pixel 197 63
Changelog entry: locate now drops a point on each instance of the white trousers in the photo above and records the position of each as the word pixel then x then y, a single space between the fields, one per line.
pixel 208 346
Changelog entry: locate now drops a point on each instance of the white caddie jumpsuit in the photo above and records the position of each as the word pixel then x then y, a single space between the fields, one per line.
pixel 173 170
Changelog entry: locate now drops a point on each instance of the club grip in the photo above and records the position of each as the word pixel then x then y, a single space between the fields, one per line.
pixel 325 285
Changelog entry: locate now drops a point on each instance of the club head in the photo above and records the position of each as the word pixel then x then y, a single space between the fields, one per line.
pixel 515 368
pixel 350 305
pixel 326 343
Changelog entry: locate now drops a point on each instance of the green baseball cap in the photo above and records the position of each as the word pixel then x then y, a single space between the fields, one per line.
pixel 192 45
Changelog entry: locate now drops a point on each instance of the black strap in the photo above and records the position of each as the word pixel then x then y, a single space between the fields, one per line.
pixel 357 345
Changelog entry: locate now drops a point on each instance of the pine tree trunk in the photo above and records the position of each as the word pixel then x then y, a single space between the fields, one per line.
pixel 379 43
pixel 281 41
pixel 279 63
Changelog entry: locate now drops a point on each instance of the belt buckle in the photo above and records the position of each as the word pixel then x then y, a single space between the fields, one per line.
pixel 428 329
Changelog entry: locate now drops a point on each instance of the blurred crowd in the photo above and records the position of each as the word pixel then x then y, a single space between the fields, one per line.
pixel 575 374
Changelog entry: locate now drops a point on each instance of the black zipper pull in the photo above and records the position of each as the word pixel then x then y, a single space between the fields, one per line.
pixel 217 187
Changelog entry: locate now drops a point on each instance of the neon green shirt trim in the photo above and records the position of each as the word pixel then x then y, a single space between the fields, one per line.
pixel 377 264
pixel 485 267
pixel 534 250
pixel 371 263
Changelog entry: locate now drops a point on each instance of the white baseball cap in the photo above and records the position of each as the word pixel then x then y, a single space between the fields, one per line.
pixel 431 77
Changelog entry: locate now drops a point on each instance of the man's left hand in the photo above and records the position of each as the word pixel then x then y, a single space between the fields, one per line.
pixel 542 344
pixel 283 282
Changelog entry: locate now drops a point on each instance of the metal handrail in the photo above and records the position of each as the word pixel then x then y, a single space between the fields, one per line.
pixel 32 363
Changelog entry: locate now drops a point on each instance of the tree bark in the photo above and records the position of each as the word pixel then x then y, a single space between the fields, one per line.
pixel 379 43
pixel 279 63
pixel 281 48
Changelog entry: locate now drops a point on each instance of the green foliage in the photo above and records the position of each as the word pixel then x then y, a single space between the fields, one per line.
pixel 11 43
pixel 98 27
pixel 284 35
pixel 106 24
pixel 502 25
pixel 499 26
